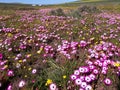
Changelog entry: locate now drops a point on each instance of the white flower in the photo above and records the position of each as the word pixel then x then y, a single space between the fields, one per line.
pixel 21 83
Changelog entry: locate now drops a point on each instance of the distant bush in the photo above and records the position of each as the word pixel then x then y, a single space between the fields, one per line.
pixel 75 14
pixel 79 11
pixel 88 9
pixel 57 12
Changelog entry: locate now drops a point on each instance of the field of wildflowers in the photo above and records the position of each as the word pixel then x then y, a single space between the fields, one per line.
pixel 41 51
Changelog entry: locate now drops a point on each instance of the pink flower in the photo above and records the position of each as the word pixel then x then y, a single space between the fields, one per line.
pixel 83 84
pixel 107 81
pixel 53 86
pixel 81 70
pixel 78 81
pixel 73 77
pixel 10 73
pixel 86 69
pixel 87 79
pixel 92 67
pixel 9 87
pixel 76 72
pixel 21 83
pixel 83 43
pixel 34 71
pixel 88 87
pixel 92 76
pixel 82 78
pixel 95 71
pixel 104 72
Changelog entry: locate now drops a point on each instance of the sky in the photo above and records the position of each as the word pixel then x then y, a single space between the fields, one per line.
pixel 36 1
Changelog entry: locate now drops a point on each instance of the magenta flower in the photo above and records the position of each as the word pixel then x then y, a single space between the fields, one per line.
pixel 53 86
pixel 1 56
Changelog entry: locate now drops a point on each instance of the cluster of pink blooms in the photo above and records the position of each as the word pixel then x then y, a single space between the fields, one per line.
pixel 49 51
pixel 100 59
pixel 37 36
pixel 70 48
pixel 6 30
